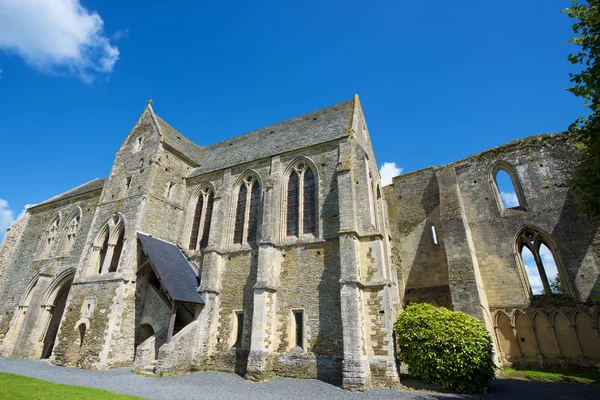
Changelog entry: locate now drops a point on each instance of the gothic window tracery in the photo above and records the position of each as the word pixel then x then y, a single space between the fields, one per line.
pixel 108 246
pixel 247 210
pixel 202 219
pixel 301 201
pixel 69 233
pixel 540 264
pixel 49 237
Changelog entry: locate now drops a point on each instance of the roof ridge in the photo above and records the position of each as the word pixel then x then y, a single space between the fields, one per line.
pixel 279 123
pixel 65 194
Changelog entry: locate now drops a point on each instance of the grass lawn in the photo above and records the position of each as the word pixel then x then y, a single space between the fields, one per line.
pixel 552 376
pixel 22 387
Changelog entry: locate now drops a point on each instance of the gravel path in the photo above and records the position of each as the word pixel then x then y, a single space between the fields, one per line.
pixel 218 385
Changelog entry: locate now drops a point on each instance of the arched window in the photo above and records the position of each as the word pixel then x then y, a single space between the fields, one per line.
pixel 247 210
pixel 49 237
pixel 508 188
pixel 292 205
pixel 69 233
pixel 301 180
pixel 117 249
pixel 108 246
pixel 202 219
pixel 540 264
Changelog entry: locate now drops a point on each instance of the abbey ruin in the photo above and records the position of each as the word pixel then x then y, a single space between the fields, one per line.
pixel 278 253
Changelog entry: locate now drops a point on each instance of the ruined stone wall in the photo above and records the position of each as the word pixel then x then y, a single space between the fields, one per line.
pixel 420 263
pixel 491 271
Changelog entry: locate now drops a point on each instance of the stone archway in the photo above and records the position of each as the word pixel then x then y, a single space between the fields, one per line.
pixel 55 303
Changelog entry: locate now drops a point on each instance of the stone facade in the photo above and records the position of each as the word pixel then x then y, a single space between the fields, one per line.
pixel 300 278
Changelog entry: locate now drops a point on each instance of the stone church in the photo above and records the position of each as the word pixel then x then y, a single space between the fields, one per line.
pixel 278 253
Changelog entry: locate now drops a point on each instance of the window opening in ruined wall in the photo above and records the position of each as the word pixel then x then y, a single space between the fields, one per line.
pixel 301 201
pixel 246 212
pixel 540 264
pixel 202 219
pixel 507 187
pixel 434 235
pixel 48 238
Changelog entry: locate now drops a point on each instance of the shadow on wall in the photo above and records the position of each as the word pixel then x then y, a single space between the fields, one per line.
pixel 241 355
pixel 328 346
pixel 574 235
pixel 427 279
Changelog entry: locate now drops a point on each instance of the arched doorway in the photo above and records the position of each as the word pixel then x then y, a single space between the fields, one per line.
pixel 55 306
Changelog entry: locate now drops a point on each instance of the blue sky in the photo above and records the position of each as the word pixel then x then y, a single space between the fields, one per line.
pixel 438 80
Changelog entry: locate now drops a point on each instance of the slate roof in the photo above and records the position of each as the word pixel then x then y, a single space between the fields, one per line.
pixel 173 269
pixel 307 130
pixel 90 186
pixel 179 142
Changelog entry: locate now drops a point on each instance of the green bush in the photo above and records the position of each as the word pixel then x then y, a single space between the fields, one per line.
pixel 450 349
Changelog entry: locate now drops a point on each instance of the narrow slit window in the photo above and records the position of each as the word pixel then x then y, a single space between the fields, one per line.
pixel 507 190
pixel 138 144
pixel 434 235
pixel 299 325
pixel 170 190
pixel 127 183
pixel 240 329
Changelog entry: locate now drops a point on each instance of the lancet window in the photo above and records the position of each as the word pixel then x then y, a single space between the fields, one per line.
pixel 69 233
pixel 540 264
pixel 202 218
pixel 49 237
pixel 108 246
pixel 301 201
pixel 247 211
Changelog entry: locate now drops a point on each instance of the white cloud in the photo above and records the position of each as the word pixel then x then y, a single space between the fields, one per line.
pixel 532 272
pixel 7 216
pixel 387 171
pixel 510 199
pixel 57 36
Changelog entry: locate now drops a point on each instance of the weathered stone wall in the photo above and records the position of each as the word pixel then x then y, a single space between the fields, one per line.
pixel 25 265
pixel 480 235
pixel 560 335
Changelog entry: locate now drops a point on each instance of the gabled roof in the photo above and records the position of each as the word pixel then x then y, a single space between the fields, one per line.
pixel 90 186
pixel 310 129
pixel 173 269
pixel 178 142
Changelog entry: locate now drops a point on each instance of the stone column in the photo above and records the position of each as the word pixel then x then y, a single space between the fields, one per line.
pixel 466 285
pixel 356 372
pixel 265 289
pixel 212 270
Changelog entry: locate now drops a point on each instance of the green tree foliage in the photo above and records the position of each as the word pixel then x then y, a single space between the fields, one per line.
pixel 586 84
pixel 556 286
pixel 450 349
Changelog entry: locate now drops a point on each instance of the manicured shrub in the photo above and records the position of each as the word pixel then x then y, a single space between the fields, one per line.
pixel 450 349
